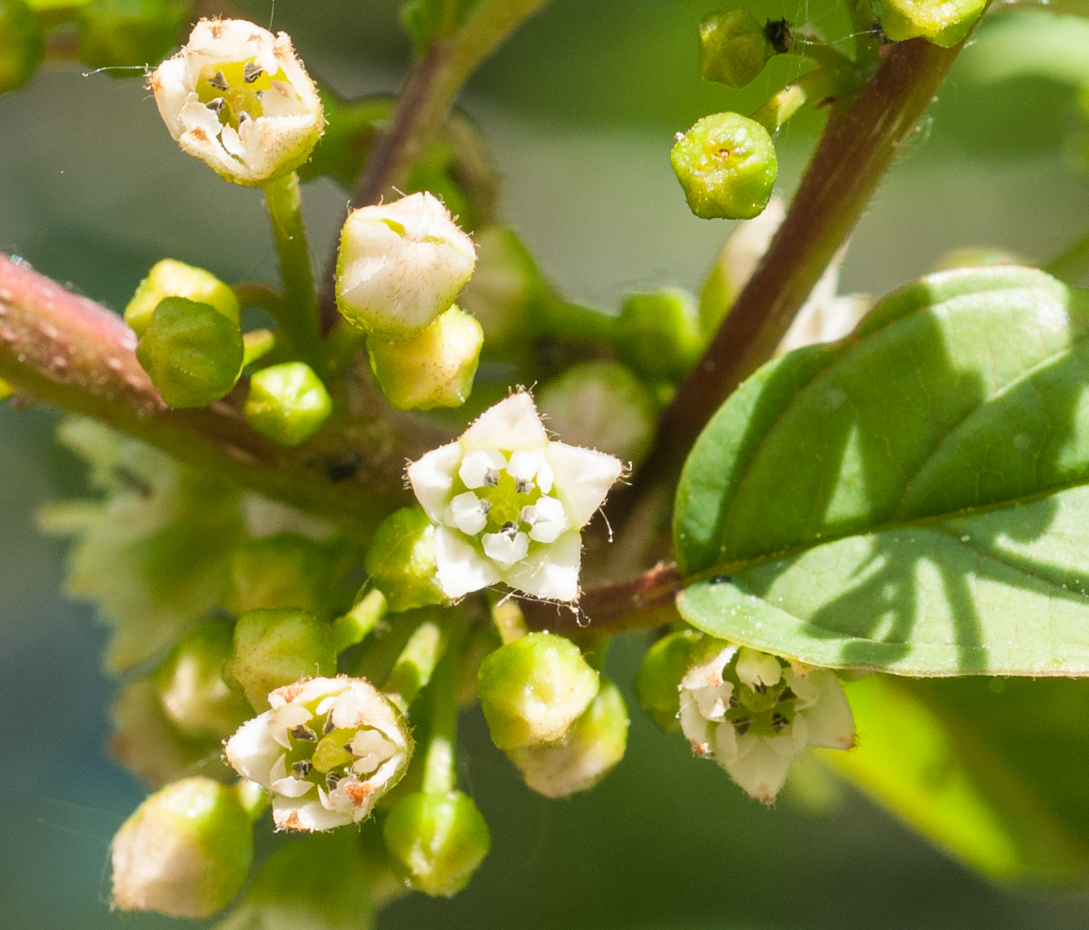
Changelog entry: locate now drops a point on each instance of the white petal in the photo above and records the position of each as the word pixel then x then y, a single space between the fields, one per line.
pixel 806 687
pixel 252 751
pixel 713 702
pixel 461 568
pixel 287 718
pixel 830 720
pixel 726 748
pixel 304 692
pixel 708 674
pixel 371 749
pixel 467 513
pixel 583 479
pixel 504 549
pixel 756 668
pixel 552 571
pixel 478 464
pixel 694 726
pixel 232 141
pixel 524 464
pixel 512 424
pixel 545 478
pixel 760 768
pixel 432 477
pixel 307 816
pixel 291 787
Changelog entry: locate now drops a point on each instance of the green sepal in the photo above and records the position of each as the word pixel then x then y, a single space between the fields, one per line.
pixel 170 278
pixel 401 561
pixel 659 677
pixel 287 403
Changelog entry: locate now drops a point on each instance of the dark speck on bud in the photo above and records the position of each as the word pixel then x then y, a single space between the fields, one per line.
pixel 779 37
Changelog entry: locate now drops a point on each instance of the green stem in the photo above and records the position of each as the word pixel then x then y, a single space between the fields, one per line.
pixel 298 321
pixel 867 43
pixel 415 665
pixel 576 322
pixel 817 87
pixel 440 775
pixel 820 53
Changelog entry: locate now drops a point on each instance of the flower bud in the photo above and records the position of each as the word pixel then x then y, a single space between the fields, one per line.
pixel 756 716
pixel 191 686
pixel 941 22
pixel 505 289
pixel 434 368
pixel 185 851
pixel 283 570
pixel 604 405
pixel 726 164
pixel 593 746
pixel 287 403
pixel 120 33
pixel 734 47
pixel 401 561
pixel 533 689
pixel 437 841
pixel 22 44
pixel 170 278
pixel 400 265
pixel 328 749
pixel 192 352
pixel 660 333
pixel 659 677
pixel 239 99
pixel 273 648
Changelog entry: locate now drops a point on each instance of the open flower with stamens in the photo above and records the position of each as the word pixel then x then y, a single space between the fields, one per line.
pixel 327 751
pixel 755 715
pixel 508 504
pixel 238 98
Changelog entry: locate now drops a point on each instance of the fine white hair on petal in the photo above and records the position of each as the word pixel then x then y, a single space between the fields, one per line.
pixel 758 668
pixel 461 568
pixel 252 751
pixel 512 424
pixel 552 572
pixel 582 479
pixel 432 478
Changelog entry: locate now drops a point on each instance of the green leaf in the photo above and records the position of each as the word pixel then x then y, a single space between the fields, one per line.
pixel 909 499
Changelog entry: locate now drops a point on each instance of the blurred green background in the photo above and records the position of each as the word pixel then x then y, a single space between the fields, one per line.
pixel 580 110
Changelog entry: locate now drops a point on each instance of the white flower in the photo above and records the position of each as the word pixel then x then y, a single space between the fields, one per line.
pixel 327 751
pixel 400 265
pixel 508 504
pixel 239 99
pixel 755 716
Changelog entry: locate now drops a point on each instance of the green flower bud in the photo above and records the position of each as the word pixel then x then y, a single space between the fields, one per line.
pixel 434 368
pixel 659 677
pixel 192 352
pixel 287 403
pixel 437 840
pixel 533 689
pixel 148 742
pixel 401 561
pixel 978 256
pixel 118 33
pixel 185 851
pixel 284 570
pixel 726 164
pixel 191 686
pixel 593 746
pixel 22 44
pixel 170 278
pixel 505 289
pixel 604 405
pixel 734 47
pixel 941 22
pixel 660 333
pixel 273 648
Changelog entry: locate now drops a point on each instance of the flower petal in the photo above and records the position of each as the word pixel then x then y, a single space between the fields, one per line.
pixel 510 425
pixel 252 751
pixel 582 479
pixel 552 571
pixel 830 720
pixel 759 767
pixel 758 668
pixel 505 549
pixel 306 816
pixel 461 568
pixel 432 478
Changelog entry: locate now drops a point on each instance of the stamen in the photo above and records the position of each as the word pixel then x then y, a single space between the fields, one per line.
pixel 734 702
pixel 491 478
pixel 779 722
pixel 786 695
pixel 329 726
pixel 218 81
pixel 741 727
pixel 216 105
pixel 251 71
pixel 331 780
pixel 523 485
pixel 302 768
pixel 760 688
pixel 303 732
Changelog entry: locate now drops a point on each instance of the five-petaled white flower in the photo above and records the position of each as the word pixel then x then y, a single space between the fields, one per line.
pixel 508 504
pixel 755 716
pixel 238 98
pixel 327 751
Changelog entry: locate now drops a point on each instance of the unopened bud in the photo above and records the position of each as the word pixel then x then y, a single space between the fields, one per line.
pixel 22 44
pixel 601 404
pixel 726 164
pixel 437 840
pixel 941 22
pixel 170 278
pixel 734 47
pixel 191 686
pixel 185 851
pixel 287 403
pixel 659 677
pixel 434 368
pixel 660 333
pixel 238 98
pixel 273 648
pixel 328 749
pixel 192 352
pixel 533 689
pixel 283 570
pixel 400 265
pixel 593 746
pixel 120 33
pixel 401 561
